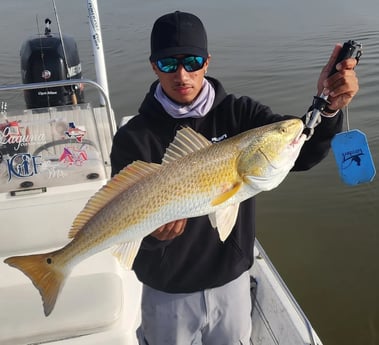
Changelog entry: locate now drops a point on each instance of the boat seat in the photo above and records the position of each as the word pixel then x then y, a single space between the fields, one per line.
pixel 87 304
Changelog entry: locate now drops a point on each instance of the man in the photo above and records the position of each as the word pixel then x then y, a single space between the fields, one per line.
pixel 196 288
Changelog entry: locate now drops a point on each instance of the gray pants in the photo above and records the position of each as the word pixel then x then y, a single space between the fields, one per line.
pixel 219 316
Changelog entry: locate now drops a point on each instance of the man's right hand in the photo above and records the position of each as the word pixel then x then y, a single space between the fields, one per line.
pixel 170 230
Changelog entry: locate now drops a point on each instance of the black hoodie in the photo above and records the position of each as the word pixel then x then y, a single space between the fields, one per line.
pixel 197 259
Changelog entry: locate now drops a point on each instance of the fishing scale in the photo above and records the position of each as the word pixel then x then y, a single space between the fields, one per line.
pixel 350 148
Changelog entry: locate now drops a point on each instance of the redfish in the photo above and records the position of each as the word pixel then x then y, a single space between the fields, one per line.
pixel 195 178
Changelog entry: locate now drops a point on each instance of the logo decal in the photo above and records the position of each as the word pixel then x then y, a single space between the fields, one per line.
pixel 73 156
pixel 220 138
pixel 75 132
pixel 23 165
pixel 351 156
pixel 46 74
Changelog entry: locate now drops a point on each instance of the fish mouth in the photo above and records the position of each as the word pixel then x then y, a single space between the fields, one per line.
pixel 299 139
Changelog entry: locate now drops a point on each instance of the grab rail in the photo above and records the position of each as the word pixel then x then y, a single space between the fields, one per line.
pixel 43 85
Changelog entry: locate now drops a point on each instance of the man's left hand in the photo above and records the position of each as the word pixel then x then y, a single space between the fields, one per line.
pixel 343 85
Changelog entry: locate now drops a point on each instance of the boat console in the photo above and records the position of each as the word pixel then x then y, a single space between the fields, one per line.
pixel 52 161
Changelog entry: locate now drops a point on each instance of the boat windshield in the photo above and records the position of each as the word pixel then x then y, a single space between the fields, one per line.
pixel 49 147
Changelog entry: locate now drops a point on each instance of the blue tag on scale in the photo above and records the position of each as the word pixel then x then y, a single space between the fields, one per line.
pixel 353 157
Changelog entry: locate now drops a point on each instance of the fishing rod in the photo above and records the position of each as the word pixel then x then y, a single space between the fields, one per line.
pixel 73 94
pixel 42 55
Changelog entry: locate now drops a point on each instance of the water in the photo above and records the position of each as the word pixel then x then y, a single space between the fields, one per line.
pixel 322 235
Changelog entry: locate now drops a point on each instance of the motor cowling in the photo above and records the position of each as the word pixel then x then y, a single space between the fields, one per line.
pixel 43 59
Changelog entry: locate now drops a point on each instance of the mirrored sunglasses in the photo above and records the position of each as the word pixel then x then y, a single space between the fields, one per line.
pixel 171 64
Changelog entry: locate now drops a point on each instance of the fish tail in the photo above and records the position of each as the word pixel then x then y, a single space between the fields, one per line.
pixel 46 276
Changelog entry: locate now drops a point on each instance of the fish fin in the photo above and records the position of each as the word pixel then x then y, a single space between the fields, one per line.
pixel 127 252
pixel 227 194
pixel 224 220
pixel 185 142
pixel 213 220
pixel 47 277
pixel 117 185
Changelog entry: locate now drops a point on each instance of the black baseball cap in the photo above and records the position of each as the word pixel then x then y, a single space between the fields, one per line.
pixel 178 33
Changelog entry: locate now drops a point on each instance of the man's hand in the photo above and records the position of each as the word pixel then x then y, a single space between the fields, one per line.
pixel 342 86
pixel 170 230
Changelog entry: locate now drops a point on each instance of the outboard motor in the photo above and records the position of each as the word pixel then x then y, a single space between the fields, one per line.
pixel 46 58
